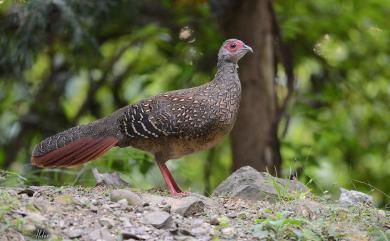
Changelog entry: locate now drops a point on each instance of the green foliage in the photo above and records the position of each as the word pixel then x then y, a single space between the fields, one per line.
pixel 279 227
pixel 223 222
pixel 71 62
pixel 7 204
pixel 323 221
pixel 284 193
pixel 8 178
pixel 339 128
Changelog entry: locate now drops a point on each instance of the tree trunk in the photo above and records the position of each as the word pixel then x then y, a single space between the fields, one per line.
pixel 254 137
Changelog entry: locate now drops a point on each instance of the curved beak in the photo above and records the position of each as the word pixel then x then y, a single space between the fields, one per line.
pixel 248 48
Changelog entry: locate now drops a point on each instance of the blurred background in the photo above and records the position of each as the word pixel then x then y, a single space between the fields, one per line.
pixel 316 91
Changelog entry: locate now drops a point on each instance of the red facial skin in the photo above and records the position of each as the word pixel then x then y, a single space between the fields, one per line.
pixel 234 46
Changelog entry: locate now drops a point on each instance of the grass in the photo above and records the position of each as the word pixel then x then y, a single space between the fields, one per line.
pixel 321 220
pixel 278 227
pixel 284 192
pixel 7 204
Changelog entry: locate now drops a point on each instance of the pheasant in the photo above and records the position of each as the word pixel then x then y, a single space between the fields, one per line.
pixel 169 125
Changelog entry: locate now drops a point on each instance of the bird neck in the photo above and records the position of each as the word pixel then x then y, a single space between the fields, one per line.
pixel 227 73
pixel 226 80
pixel 226 67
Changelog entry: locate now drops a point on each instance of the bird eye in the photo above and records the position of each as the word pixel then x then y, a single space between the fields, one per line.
pixel 233 45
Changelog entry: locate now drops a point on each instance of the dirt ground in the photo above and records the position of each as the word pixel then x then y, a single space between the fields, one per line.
pixel 77 213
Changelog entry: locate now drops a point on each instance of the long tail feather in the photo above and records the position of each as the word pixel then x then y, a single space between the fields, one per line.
pixel 75 153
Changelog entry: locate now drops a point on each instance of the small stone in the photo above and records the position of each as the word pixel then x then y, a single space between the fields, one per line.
pixel 188 206
pixel 106 206
pixel 75 233
pixel 42 205
pixel 108 179
pixel 199 228
pixel 166 208
pixel 184 231
pixel 101 234
pixel 231 215
pixel 352 197
pixel 93 209
pixel 12 235
pixel 187 238
pixel 28 192
pixel 174 228
pixel 138 233
pixel 214 220
pixel 381 213
pixel 227 231
pixel 61 223
pixel 197 222
pixel 129 235
pixel 106 222
pixel 36 218
pixel 123 203
pixel 125 222
pixel 158 219
pixel 24 196
pixel 131 197
pixel 114 205
pixel 200 231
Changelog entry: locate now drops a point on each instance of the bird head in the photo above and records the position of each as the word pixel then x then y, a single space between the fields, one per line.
pixel 232 50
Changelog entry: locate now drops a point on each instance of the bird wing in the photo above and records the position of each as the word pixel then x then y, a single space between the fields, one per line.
pixel 170 114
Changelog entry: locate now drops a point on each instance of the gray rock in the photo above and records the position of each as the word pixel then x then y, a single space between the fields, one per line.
pixel 123 203
pixel 108 179
pixel 42 205
pixel 186 238
pixel 187 206
pixel 130 235
pixel 352 197
pixel 75 233
pixel 214 220
pixel 231 215
pixel 166 208
pixel 248 183
pixel 36 218
pixel 106 222
pixel 199 228
pixel 158 219
pixel 137 233
pixel 131 197
pixel 29 192
pixel 12 235
pixel 227 231
pixel 101 234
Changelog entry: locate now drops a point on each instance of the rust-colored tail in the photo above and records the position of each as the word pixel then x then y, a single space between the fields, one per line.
pixel 74 153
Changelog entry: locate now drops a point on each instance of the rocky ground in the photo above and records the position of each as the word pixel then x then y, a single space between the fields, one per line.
pixel 247 206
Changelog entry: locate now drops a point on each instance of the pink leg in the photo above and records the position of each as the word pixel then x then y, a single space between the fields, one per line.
pixel 171 184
